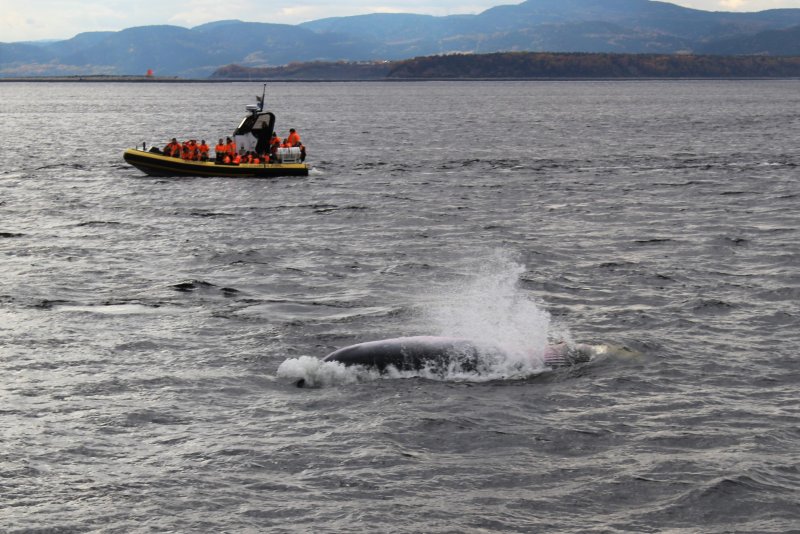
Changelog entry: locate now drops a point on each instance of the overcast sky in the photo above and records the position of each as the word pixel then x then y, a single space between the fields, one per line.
pixel 22 20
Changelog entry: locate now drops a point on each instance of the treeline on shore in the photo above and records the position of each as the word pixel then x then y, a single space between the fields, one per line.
pixel 315 70
pixel 531 65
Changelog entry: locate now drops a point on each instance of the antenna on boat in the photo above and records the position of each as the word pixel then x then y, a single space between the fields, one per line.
pixel 260 99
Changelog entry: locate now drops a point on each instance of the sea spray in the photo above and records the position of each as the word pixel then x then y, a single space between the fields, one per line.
pixel 490 308
pixel 313 372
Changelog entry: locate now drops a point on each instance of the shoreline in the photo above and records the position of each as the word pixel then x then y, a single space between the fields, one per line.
pixel 143 79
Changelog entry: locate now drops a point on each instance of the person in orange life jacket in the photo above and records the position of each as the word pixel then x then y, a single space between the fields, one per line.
pixel 226 159
pixel 203 148
pixel 293 139
pixel 274 141
pixel 231 147
pixel 237 159
pixel 219 150
pixel 172 149
pixel 185 150
pixel 194 150
pixel 274 145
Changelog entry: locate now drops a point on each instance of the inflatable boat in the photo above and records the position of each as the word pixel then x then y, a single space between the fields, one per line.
pixel 158 164
pixel 252 135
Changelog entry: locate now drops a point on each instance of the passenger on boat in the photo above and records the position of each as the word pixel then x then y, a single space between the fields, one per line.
pixel 190 151
pixel 293 139
pixel 231 147
pixel 172 149
pixel 251 158
pixel 274 142
pixel 219 151
pixel 203 150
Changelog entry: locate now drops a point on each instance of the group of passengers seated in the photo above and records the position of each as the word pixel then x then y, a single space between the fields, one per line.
pixel 227 154
pixel 245 158
pixel 188 150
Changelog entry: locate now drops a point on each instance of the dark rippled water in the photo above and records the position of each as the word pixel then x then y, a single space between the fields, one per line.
pixel 151 330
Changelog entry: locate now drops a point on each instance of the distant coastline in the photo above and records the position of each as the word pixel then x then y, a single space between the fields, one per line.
pixel 531 65
pixel 516 66
pixel 102 78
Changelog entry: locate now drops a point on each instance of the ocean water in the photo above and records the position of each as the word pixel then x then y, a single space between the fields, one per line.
pixel 152 330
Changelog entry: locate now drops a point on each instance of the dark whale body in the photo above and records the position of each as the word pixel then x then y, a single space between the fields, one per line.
pixel 442 353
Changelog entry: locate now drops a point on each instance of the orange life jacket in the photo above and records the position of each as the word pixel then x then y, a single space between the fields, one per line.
pixel 203 149
pixel 293 139
pixel 256 161
pixel 237 159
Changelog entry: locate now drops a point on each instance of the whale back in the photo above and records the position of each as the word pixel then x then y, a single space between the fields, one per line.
pixel 410 353
pixel 442 353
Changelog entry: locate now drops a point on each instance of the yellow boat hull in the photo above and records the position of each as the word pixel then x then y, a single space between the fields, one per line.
pixel 155 164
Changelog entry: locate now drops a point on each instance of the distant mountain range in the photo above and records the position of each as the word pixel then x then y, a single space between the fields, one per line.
pixel 608 26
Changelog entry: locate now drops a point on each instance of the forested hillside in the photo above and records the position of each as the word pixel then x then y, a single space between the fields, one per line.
pixel 525 65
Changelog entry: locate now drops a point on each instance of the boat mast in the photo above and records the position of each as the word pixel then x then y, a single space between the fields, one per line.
pixel 261 100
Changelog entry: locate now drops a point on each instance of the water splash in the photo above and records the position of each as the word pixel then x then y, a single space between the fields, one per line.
pixel 307 371
pixel 489 307
pixel 313 372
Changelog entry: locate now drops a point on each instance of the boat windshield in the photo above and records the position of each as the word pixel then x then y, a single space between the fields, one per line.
pixel 258 121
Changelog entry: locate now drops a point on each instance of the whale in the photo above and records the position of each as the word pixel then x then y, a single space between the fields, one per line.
pixel 447 353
